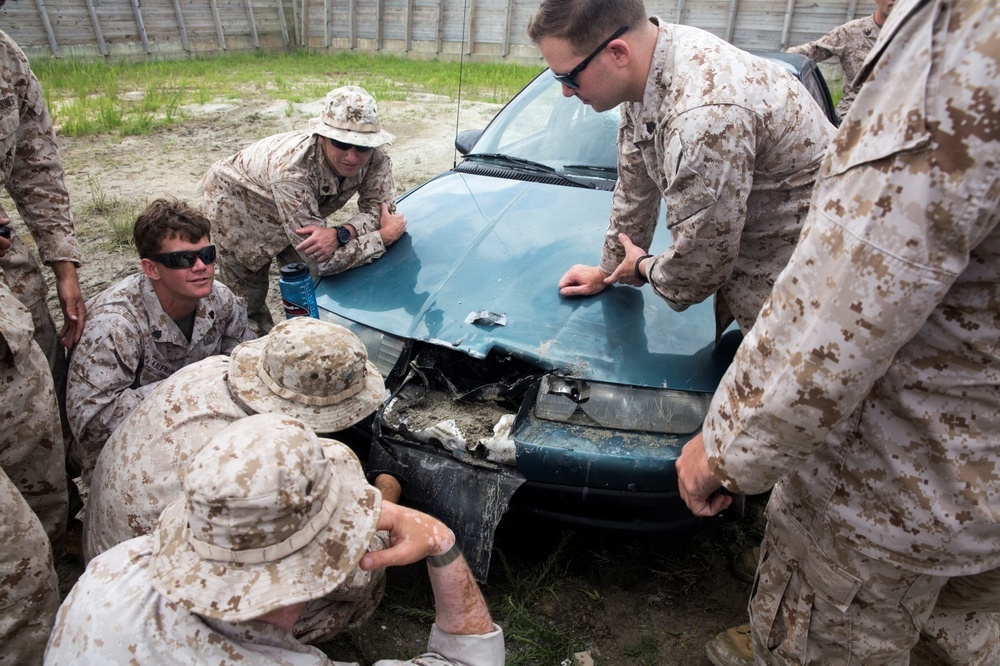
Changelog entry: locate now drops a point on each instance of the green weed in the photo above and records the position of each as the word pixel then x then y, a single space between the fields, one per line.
pixel 97 97
pixel 118 215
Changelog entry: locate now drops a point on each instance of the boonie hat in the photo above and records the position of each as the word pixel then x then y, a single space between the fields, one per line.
pixel 271 516
pixel 313 370
pixel 350 115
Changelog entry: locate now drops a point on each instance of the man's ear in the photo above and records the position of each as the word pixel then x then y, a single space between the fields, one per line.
pixel 621 52
pixel 151 269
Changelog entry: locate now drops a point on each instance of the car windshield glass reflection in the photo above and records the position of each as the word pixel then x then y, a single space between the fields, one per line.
pixel 555 131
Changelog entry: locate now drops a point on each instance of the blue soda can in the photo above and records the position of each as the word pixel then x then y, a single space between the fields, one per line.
pixel 297 292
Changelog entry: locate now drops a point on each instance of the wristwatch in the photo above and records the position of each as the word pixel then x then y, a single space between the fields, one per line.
pixel 343 235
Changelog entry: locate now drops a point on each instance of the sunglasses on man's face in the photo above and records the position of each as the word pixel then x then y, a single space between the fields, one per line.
pixel 569 78
pixel 185 258
pixel 340 145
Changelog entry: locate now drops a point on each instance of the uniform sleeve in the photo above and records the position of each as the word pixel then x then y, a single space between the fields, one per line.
pixel 297 205
pixel 636 202
pixel 708 163
pixel 236 328
pixel 36 182
pixel 101 384
pixel 834 44
pixel 376 187
pixel 813 50
pixel 869 270
pixel 444 649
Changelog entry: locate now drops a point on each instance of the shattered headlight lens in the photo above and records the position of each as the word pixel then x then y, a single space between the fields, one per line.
pixel 383 349
pixel 619 407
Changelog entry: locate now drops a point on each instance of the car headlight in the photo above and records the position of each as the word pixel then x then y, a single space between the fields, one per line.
pixel 383 349
pixel 583 402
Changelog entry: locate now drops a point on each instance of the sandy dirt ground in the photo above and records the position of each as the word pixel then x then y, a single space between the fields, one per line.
pixel 624 600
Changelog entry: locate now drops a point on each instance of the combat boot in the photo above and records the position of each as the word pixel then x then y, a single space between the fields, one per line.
pixel 731 647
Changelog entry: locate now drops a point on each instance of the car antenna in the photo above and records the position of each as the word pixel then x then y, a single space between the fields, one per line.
pixel 461 63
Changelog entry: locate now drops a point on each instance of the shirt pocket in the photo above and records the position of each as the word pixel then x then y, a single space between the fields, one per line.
pixel 9 122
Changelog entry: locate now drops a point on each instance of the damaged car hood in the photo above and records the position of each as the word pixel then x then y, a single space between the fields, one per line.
pixel 484 276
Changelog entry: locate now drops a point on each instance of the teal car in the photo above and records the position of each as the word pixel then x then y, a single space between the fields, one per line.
pixel 504 395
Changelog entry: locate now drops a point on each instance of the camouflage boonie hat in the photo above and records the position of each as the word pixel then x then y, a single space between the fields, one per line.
pixel 309 369
pixel 271 516
pixel 350 115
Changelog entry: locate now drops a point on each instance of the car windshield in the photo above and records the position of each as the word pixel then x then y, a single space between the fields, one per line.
pixel 557 132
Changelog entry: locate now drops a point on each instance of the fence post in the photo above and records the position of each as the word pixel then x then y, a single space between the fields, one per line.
pixel 733 4
pixel 470 26
pixel 140 25
pixel 218 25
pixel 53 45
pixel 97 27
pixel 506 28
pixel 440 30
pixel 253 24
pixel 378 25
pixel 409 24
pixel 680 12
pixel 352 7
pixel 786 28
pixel 281 19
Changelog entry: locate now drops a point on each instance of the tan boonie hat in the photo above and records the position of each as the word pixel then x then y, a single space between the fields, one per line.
pixel 271 516
pixel 350 115
pixel 309 369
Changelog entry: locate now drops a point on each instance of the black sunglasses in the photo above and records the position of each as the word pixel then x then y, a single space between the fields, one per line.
pixel 569 79
pixel 340 145
pixel 185 258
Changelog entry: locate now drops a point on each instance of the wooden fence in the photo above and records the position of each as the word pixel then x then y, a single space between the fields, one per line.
pixel 475 29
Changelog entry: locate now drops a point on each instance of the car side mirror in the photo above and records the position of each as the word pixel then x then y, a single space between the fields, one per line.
pixel 465 141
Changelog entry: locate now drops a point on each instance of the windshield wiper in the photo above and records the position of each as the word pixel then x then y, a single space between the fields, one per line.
pixel 522 163
pixel 606 171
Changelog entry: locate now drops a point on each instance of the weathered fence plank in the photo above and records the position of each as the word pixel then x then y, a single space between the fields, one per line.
pixel 485 29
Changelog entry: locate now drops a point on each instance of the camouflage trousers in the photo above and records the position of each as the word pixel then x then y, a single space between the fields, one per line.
pixel 24 277
pixel 816 600
pixel 31 444
pixel 29 589
pixel 252 286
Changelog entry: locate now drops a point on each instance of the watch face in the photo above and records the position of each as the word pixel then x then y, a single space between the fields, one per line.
pixel 343 235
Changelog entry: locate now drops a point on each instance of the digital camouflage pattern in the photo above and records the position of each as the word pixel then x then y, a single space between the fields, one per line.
pixel 350 115
pixel 885 322
pixel 849 44
pixel 128 346
pixel 732 144
pixel 142 467
pixel 32 173
pixel 29 589
pixel 138 624
pixel 270 516
pixel 31 443
pixel 257 198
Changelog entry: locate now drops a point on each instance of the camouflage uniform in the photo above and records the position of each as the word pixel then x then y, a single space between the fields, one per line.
pixel 257 198
pixel 129 345
pixel 32 174
pixel 733 149
pixel 140 625
pixel 140 472
pixel 29 589
pixel 849 44
pixel 31 448
pixel 884 322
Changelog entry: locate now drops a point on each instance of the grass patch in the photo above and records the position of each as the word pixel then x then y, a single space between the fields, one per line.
pixel 96 97
pixel 118 215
